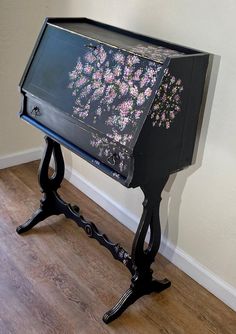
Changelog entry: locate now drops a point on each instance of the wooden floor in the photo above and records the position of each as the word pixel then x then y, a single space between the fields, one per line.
pixel 54 279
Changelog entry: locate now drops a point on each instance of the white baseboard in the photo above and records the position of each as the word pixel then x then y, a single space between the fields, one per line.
pixel 218 287
pixel 199 273
pixel 20 157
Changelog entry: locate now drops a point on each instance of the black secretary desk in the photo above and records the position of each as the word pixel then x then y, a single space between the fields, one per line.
pixel 126 103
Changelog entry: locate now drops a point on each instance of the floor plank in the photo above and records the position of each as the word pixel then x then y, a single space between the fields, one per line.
pixel 53 279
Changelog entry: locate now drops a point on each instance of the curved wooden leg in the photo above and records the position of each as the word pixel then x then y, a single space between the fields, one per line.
pixel 49 185
pixel 142 282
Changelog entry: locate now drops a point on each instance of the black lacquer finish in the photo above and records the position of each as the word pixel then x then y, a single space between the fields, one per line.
pixel 140 260
pixel 126 103
pixel 116 97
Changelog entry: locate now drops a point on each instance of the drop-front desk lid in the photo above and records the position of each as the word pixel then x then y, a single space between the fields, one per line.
pixel 94 86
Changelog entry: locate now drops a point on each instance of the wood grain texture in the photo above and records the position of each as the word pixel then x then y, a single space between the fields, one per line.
pixel 54 279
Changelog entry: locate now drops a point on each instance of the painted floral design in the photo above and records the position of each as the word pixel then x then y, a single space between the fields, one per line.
pixel 106 150
pixel 157 53
pixel 167 103
pixel 112 87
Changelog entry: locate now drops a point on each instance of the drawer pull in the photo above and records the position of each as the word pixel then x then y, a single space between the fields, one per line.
pixel 35 112
pixel 113 159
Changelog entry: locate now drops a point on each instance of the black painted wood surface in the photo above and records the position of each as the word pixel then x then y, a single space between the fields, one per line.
pixel 127 103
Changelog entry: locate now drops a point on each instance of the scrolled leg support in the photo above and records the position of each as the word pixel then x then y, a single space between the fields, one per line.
pixel 139 263
pixel 142 282
pixel 49 185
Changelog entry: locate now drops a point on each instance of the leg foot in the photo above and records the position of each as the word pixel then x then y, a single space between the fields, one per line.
pixel 132 294
pixel 38 216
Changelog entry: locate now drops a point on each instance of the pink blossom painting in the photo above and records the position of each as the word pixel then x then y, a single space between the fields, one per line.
pixel 167 103
pixel 113 87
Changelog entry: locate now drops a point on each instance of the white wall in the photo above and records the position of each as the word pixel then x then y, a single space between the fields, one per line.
pixel 20 22
pixel 200 200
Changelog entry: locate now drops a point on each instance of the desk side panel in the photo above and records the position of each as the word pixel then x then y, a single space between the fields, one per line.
pixel 167 139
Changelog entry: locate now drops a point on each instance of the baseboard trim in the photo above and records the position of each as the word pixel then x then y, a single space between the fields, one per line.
pixel 20 157
pixel 201 274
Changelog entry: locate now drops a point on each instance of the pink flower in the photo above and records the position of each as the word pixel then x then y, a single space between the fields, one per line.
pixel 176 97
pixel 97 75
pixel 151 72
pixel 76 110
pixel 73 75
pixel 89 57
pixel 109 76
pixel 88 69
pixel 123 122
pixel 137 75
pixel 138 113
pixel 117 70
pixel 128 70
pixel 99 111
pixel 119 57
pixel 131 60
pixel 148 92
pixel 124 88
pixel 126 138
pixel 163 98
pixel 80 82
pixel 156 106
pixel 110 94
pixel 97 93
pixel 79 66
pixel 102 55
pixel 140 99
pixel 134 91
pixel 117 137
pixel 165 86
pixel 144 81
pixel 96 84
pixel 86 90
pixel 125 107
